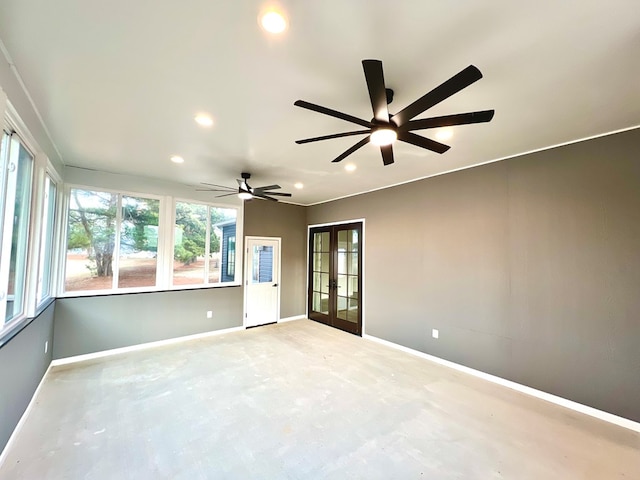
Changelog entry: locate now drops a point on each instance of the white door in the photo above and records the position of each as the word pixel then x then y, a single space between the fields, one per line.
pixel 262 281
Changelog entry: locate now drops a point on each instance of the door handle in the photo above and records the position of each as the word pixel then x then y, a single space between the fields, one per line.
pixel 275 284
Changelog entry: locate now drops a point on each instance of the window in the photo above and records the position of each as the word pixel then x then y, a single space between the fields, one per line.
pixel 231 257
pixel 112 241
pixel 46 240
pixel 16 178
pixel 199 234
pixel 116 241
pixel 138 261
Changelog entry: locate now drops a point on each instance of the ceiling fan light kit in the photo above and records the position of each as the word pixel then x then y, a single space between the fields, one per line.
pixel 383 136
pixel 384 128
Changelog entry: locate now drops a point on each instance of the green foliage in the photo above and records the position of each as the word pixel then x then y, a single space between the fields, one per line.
pixel 77 237
pixel 138 215
pixel 191 219
pixel 92 225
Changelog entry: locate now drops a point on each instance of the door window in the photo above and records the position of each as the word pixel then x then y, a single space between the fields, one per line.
pixel 262 268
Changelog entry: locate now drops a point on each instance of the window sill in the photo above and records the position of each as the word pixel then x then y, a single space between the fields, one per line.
pixel 13 328
pixel 137 291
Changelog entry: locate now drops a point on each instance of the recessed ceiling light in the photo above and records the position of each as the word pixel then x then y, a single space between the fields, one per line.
pixel 350 167
pixel 204 120
pixel 273 21
pixel 298 185
pixel 177 159
pixel 444 134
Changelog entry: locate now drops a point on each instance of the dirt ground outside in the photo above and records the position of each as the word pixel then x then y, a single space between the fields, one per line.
pixel 133 272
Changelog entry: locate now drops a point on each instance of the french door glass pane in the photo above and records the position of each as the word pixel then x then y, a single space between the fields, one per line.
pixel 353 240
pixel 324 283
pixel 352 263
pixel 137 262
pixel 320 302
pixel 19 234
pixel 325 246
pixel 342 262
pixel 343 243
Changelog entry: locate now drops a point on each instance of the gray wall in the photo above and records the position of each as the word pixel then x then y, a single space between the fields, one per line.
pixel 271 219
pixel 93 324
pixel 23 363
pixel 530 268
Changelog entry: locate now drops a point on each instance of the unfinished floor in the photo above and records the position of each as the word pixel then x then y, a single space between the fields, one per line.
pixel 301 401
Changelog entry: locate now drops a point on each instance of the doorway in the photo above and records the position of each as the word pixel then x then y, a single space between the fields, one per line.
pixel 262 281
pixel 335 276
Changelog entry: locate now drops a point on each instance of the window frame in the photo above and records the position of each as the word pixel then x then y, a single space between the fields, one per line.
pixel 14 132
pixel 62 293
pixel 166 239
pixel 47 248
pixel 239 222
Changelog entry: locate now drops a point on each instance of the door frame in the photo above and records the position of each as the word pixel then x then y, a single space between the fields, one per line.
pixel 245 274
pixel 362 266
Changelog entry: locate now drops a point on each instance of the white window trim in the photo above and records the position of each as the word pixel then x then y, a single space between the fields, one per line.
pixel 63 242
pixel 28 298
pixel 164 268
pixel 239 224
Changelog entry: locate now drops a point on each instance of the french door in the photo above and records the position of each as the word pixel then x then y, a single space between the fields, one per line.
pixel 335 276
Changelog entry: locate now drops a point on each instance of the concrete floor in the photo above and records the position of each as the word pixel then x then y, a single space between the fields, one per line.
pixel 301 401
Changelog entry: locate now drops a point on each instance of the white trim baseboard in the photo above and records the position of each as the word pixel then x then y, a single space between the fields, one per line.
pixel 23 418
pixel 291 319
pixel 142 346
pixel 563 402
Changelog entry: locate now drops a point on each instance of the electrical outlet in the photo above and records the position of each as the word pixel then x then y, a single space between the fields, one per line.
pixel 209 314
pixel 435 333
pixel 46 346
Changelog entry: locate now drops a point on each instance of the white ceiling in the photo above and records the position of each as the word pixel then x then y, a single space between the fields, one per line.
pixel 118 83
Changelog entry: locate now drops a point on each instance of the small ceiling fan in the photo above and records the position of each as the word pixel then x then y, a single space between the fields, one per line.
pixel 244 191
pixel 383 129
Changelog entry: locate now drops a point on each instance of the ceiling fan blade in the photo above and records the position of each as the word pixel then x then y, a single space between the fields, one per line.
pixel 377 91
pixel 266 197
pixel 419 141
pixel 219 186
pixel 456 83
pixel 332 113
pixel 226 195
pixel 449 120
pixel 214 190
pixel 277 194
pixel 387 154
pixel 349 151
pixel 266 187
pixel 335 135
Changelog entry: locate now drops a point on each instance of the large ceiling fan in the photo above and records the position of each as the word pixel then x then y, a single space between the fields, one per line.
pixel 383 129
pixel 244 191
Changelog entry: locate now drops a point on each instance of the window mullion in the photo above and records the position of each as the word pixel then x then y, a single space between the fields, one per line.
pixel 8 179
pixel 207 246
pixel 35 233
pixel 116 247
pixel 11 167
